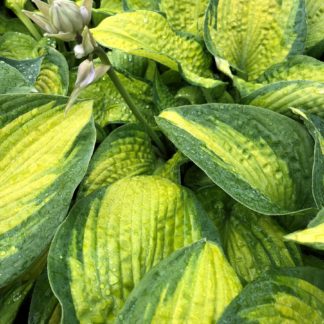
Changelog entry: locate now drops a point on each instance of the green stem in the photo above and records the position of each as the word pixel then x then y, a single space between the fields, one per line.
pixel 128 99
pixel 29 25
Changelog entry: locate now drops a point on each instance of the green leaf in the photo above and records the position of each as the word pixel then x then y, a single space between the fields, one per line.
pixel 313 235
pixel 7 23
pixel 164 96
pixel 281 96
pixel 254 243
pixel 44 156
pixel 44 307
pixel 140 4
pixel 285 295
pixel 196 179
pixel 126 152
pixel 11 80
pixel 260 158
pixel 315 126
pixel 148 34
pixel 28 68
pixel 216 203
pixel 129 65
pixel 186 15
pixel 11 300
pixel 193 95
pixel 54 75
pixel 252 37
pixel 113 237
pixel 110 107
pixel 18 46
pixel 193 285
pixel 315 27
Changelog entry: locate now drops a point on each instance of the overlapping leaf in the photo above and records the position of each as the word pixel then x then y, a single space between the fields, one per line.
pixel 113 237
pixel 254 243
pixel 54 75
pixel 252 37
pixel 11 80
pixel 126 152
pixel 44 307
pixel 193 285
pixel 186 15
pixel 260 158
pixel 315 126
pixel 281 96
pixel 44 156
pixel 295 295
pixel 109 106
pixel 148 34
pixel 315 27
pixel 313 235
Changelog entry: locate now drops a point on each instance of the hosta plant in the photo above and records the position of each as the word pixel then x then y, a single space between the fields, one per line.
pixel 161 161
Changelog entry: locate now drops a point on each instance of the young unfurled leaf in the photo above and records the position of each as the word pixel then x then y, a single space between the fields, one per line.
pixel 252 37
pixel 313 235
pixel 113 237
pixel 148 34
pixel 126 152
pixel 281 96
pixel 254 243
pixel 294 295
pixel 260 158
pixel 43 157
pixel 193 285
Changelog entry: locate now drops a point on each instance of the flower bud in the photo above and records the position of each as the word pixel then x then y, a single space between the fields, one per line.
pixel 88 44
pixel 65 16
pixel 87 74
pixel 62 19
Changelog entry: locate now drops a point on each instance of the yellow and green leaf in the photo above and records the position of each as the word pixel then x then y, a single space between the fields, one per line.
pixel 193 285
pixel 43 157
pixel 291 295
pixel 260 158
pixel 126 152
pixel 186 15
pixel 313 235
pixel 54 74
pixel 254 243
pixel 251 37
pixel 18 46
pixel 140 5
pixel 110 107
pixel 148 34
pixel 113 237
pixel 315 27
pixel 281 96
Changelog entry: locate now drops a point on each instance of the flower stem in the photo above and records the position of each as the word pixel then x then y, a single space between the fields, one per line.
pixel 128 99
pixel 29 25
